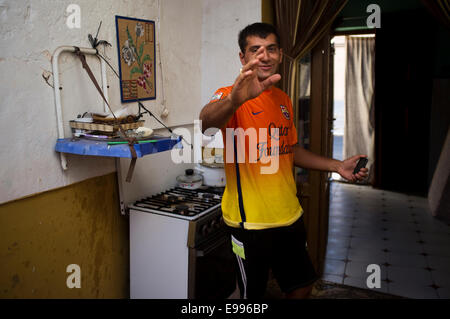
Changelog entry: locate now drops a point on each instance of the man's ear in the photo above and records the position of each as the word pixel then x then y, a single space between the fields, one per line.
pixel 241 57
pixel 281 55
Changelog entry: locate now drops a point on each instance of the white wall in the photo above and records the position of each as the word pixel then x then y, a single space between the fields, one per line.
pixel 222 21
pixel 199 53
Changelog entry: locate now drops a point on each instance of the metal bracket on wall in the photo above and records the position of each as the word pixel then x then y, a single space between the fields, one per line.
pixel 57 88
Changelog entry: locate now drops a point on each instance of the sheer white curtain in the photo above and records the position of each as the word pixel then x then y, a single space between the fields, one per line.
pixel 359 137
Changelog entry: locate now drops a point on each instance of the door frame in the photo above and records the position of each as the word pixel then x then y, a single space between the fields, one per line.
pixel 314 193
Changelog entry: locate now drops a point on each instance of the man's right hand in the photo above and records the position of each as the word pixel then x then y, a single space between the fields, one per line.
pixel 247 85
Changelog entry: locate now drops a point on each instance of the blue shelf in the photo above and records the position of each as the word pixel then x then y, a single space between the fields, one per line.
pixel 83 146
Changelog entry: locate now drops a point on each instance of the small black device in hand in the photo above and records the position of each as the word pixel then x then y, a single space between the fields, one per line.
pixel 361 163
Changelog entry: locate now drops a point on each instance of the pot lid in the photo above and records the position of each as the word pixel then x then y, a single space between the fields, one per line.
pixel 213 165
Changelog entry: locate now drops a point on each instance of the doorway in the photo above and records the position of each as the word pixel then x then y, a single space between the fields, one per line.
pixel 353 97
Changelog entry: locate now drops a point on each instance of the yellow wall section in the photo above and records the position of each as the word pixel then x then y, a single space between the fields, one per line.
pixel 78 224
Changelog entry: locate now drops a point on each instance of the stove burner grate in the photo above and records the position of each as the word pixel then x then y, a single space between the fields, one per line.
pixel 180 201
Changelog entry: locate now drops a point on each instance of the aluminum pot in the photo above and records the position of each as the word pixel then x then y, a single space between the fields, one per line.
pixel 213 174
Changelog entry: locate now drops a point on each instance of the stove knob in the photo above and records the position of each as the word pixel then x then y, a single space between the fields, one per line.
pixel 214 224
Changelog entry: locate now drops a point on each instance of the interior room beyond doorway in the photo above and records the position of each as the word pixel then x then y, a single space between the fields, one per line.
pixel 341 83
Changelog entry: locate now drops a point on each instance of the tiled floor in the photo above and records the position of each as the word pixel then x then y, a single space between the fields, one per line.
pixel 392 230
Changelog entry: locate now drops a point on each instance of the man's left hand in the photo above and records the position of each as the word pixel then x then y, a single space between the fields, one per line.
pixel 346 169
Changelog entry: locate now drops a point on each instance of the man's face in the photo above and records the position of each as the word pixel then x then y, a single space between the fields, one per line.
pixel 272 55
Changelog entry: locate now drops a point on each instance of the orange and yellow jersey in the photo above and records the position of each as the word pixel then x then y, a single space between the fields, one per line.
pixel 260 191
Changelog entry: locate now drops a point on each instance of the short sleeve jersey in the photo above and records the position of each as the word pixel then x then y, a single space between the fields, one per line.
pixel 260 191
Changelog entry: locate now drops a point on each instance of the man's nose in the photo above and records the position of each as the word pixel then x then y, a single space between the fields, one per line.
pixel 265 55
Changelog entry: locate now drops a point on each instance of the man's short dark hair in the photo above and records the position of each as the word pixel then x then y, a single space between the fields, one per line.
pixel 258 29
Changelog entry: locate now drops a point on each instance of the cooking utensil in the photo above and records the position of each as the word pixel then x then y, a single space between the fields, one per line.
pixel 213 174
pixel 190 180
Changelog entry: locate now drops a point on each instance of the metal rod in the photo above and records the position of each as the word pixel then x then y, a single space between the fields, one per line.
pixel 57 93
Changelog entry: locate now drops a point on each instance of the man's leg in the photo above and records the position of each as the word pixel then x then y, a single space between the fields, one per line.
pixel 252 263
pixel 292 266
pixel 300 293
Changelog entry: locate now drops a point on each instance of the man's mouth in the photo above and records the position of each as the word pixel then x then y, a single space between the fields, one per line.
pixel 265 67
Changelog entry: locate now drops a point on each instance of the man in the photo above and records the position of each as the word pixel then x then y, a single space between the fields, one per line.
pixel 261 209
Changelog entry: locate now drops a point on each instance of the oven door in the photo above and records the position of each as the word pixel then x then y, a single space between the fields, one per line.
pixel 212 273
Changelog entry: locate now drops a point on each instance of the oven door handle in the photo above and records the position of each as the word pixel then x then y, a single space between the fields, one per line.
pixel 200 252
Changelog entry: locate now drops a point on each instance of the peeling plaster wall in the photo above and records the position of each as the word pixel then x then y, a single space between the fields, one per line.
pixel 197 40
pixel 30 31
pixel 66 221
pixel 222 21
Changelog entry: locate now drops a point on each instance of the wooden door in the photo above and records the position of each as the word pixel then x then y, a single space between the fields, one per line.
pixel 315 120
pixel 403 95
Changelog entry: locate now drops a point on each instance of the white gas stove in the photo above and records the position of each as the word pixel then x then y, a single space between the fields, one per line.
pixel 179 246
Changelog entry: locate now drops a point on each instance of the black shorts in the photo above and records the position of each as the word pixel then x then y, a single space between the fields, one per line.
pixel 281 249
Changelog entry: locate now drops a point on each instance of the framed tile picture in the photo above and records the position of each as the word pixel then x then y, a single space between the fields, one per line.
pixel 136 53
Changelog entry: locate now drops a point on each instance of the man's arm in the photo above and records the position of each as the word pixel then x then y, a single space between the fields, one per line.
pixel 218 113
pixel 306 159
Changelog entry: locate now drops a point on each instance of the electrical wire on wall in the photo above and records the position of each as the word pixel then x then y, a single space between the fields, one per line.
pixel 165 110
